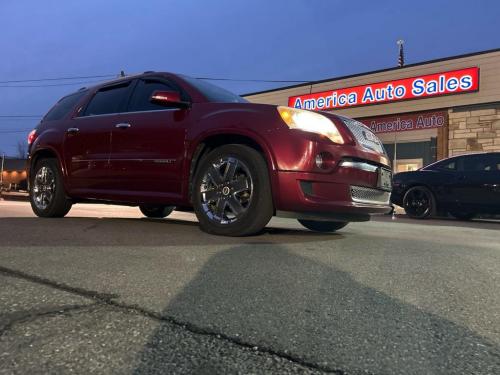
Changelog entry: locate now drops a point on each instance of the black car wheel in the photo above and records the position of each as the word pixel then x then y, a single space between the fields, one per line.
pixel 462 215
pixel 156 212
pixel 231 192
pixel 322 226
pixel 419 202
pixel 47 195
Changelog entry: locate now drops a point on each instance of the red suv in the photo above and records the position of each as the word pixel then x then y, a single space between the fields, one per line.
pixel 165 141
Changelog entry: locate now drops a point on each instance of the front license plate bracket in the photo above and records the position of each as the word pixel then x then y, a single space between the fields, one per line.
pixel 384 179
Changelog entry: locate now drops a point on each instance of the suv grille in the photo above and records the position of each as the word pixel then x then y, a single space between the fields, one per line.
pixel 363 135
pixel 362 194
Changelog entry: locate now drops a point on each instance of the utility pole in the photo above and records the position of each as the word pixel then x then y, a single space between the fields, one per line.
pixel 395 156
pixel 401 63
pixel 1 171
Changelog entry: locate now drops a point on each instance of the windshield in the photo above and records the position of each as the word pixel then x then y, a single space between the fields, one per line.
pixel 214 93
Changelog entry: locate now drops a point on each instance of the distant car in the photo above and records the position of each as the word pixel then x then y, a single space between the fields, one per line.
pixel 464 186
pixel 161 140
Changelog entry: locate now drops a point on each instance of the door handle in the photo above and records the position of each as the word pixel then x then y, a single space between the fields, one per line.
pixel 72 130
pixel 123 125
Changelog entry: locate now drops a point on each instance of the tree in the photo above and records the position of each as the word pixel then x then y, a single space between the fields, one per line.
pixel 22 149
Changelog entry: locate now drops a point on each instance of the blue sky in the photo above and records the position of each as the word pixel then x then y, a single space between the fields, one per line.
pixel 258 39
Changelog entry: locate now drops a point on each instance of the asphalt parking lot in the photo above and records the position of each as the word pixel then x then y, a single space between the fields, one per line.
pixel 106 291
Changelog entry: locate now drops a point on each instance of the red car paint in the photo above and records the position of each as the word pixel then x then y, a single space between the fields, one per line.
pixel 152 160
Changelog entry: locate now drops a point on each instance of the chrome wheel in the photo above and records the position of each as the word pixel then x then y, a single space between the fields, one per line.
pixel 226 190
pixel 44 188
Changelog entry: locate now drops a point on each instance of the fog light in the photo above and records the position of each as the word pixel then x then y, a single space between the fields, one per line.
pixel 324 160
pixel 319 161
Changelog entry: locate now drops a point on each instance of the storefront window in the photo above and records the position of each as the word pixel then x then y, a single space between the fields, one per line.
pixel 408 165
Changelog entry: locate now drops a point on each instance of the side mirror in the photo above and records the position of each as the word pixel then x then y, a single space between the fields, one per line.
pixel 168 99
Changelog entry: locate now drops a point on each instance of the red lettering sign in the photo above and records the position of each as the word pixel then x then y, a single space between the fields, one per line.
pixel 413 121
pixel 445 83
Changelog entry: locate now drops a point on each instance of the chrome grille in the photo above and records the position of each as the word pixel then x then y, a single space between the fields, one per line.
pixel 362 194
pixel 365 137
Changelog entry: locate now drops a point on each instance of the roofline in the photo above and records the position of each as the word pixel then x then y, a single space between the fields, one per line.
pixel 373 72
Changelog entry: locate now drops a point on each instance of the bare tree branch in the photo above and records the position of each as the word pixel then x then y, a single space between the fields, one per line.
pixel 22 149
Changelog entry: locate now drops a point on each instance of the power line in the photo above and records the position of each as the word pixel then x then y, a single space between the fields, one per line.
pixel 20 116
pixel 33 117
pixel 19 119
pixel 116 75
pixel 14 131
pixel 59 79
pixel 251 80
pixel 51 85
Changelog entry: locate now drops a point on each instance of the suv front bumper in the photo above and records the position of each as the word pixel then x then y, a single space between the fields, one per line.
pixel 349 193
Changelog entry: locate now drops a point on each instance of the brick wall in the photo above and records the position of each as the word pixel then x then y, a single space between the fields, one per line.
pixel 474 130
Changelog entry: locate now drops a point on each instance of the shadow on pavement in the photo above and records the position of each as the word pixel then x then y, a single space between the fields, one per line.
pixel 77 231
pixel 267 296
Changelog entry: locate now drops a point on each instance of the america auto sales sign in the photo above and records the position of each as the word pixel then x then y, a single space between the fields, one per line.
pixel 424 86
pixel 406 122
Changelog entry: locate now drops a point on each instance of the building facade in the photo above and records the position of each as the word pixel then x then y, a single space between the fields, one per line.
pixel 13 174
pixel 422 112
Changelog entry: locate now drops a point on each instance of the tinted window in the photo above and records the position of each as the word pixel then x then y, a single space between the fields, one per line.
pixel 214 93
pixel 142 94
pixel 450 166
pixel 482 163
pixel 108 100
pixel 64 106
pixel 493 162
pixel 445 165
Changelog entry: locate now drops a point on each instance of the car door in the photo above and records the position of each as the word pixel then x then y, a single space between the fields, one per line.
pixel 443 177
pixel 87 143
pixel 479 187
pixel 147 149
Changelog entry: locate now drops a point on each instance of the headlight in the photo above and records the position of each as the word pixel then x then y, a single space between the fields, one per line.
pixel 310 122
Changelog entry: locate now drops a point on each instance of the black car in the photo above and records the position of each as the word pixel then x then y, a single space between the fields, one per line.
pixel 464 186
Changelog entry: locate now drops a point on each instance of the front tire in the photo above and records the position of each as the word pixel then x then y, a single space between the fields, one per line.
pixel 47 195
pixel 231 192
pixel 156 212
pixel 323 226
pixel 419 203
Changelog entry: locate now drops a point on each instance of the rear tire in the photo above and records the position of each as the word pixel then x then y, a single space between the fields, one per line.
pixel 47 195
pixel 156 212
pixel 231 191
pixel 419 203
pixel 322 226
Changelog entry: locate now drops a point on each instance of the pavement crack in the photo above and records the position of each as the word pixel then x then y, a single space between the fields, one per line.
pixel 104 297
pixel 198 330
pixel 109 300
pixel 7 321
pixel 90 227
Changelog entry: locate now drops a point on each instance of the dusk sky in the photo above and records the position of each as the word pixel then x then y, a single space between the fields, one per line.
pixel 274 40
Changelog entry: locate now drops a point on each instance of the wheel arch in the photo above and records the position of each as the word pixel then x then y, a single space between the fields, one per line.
pixel 212 141
pixel 422 184
pixel 45 153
